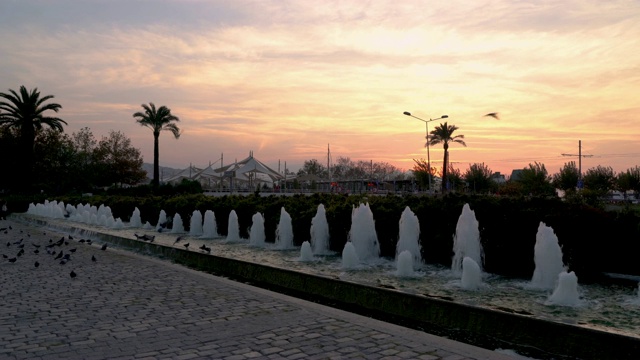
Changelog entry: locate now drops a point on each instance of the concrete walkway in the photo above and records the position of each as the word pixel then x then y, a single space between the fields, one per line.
pixel 127 306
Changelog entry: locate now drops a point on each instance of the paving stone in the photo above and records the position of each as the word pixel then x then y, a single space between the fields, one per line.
pixel 130 306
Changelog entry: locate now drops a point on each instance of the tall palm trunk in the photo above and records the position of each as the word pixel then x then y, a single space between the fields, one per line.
pixel 156 159
pixel 445 168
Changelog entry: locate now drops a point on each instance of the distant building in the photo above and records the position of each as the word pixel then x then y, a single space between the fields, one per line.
pixel 498 178
pixel 516 175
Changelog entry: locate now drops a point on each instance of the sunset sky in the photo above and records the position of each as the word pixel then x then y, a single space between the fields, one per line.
pixel 285 78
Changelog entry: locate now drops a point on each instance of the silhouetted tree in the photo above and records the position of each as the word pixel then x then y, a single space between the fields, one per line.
pixel 313 167
pixel 421 171
pixel 25 112
pixel 536 181
pixel 443 134
pixel 157 120
pixel 567 178
pixel 54 157
pixel 629 180
pixel 455 178
pixel 120 162
pixel 478 178
pixel 600 179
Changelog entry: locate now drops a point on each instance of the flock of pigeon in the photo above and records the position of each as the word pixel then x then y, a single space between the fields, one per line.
pixel 60 251
pixel 151 238
pixel 51 252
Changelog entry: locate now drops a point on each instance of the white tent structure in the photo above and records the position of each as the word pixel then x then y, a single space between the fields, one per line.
pixel 248 173
pixel 245 174
pixel 207 176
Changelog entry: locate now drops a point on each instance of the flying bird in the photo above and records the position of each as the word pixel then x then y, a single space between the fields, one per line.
pixel 493 115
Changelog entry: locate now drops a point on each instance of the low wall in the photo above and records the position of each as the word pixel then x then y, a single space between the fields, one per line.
pixel 479 326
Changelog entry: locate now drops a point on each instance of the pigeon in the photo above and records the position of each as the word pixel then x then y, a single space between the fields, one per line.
pixel 12 260
pixel 493 115
pixel 66 257
pixel 60 254
pixel 63 261
pixel 4 256
pixel 93 258
pixel 36 264
pixel 21 252
pixel 36 246
pixel 73 274
pixel 36 251
pixel 145 237
pixel 207 249
pixel 82 240
pixel 104 247
pixel 186 246
pixel 70 237
pixel 72 250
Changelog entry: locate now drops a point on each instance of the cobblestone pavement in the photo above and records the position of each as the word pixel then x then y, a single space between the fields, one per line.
pixel 127 306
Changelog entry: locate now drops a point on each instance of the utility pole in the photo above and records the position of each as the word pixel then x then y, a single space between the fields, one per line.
pixel 580 156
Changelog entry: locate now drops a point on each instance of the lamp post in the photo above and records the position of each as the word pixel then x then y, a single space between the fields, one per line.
pixel 426 123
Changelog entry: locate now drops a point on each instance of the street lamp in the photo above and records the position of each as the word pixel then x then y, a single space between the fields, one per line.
pixel 426 123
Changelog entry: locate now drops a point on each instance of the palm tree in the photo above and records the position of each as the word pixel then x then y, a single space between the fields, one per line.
pixel 443 134
pixel 24 113
pixel 157 120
